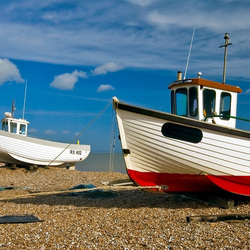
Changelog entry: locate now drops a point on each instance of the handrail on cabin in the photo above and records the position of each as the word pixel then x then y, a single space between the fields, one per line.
pixel 226 116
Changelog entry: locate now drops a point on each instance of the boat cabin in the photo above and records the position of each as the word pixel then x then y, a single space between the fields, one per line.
pixel 15 126
pixel 204 100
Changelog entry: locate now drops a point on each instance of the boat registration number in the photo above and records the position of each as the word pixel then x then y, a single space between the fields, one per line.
pixel 75 152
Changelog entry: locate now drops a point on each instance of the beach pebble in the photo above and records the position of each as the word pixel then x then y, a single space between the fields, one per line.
pixel 131 219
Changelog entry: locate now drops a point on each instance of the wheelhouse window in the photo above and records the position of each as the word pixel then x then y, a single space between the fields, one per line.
pixel 208 102
pixel 181 102
pixel 225 106
pixel 193 102
pixel 5 126
pixel 22 129
pixel 13 127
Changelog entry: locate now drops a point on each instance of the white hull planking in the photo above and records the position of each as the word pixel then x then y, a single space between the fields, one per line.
pixel 150 151
pixel 18 149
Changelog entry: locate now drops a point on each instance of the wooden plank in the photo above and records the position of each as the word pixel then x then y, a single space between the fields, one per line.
pixel 216 218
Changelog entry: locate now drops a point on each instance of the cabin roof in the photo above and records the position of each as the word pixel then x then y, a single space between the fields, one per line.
pixel 21 121
pixel 207 83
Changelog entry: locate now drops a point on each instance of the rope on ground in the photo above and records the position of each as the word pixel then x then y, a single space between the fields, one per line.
pixel 55 192
pixel 83 131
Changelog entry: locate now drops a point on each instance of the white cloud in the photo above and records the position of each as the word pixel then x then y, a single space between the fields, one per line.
pixel 77 134
pixel 247 91
pixel 154 36
pixel 9 72
pixel 141 2
pixel 107 67
pixel 155 17
pixel 67 81
pixel 65 132
pixel 32 130
pixel 49 132
pixel 105 87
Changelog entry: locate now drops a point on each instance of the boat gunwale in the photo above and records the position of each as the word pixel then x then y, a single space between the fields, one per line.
pixel 180 119
pixel 44 142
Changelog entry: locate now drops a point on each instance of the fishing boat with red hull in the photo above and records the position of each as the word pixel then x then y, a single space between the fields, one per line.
pixel 195 148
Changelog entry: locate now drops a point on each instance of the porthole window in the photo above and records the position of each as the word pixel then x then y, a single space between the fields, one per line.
pixel 181 132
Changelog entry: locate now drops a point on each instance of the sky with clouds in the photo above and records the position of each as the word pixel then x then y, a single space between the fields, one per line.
pixel 75 55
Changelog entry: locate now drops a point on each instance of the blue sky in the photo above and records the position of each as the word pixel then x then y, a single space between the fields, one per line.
pixel 76 55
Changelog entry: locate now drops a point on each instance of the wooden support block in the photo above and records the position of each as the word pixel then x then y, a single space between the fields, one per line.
pixel 215 218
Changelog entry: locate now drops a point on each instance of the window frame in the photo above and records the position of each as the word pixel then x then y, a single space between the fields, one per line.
pixel 178 96
pixel 207 101
pixel 193 101
pixel 225 114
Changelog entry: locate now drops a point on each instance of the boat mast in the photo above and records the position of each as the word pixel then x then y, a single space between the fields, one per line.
pixel 24 102
pixel 226 37
pixel 13 108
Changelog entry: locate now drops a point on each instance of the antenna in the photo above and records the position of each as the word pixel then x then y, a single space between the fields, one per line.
pixel 226 37
pixel 13 108
pixel 24 102
pixel 190 48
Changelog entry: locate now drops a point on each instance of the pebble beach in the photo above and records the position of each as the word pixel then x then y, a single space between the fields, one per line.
pixel 111 218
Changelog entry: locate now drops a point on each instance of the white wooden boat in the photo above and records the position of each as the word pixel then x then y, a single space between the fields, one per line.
pixel 196 148
pixel 18 148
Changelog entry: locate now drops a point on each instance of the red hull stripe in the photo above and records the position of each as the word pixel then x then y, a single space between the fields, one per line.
pixel 192 183
pixel 234 184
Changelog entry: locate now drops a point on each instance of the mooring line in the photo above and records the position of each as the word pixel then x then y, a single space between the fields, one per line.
pixel 112 142
pixel 83 131
pixel 96 118
pixel 78 191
